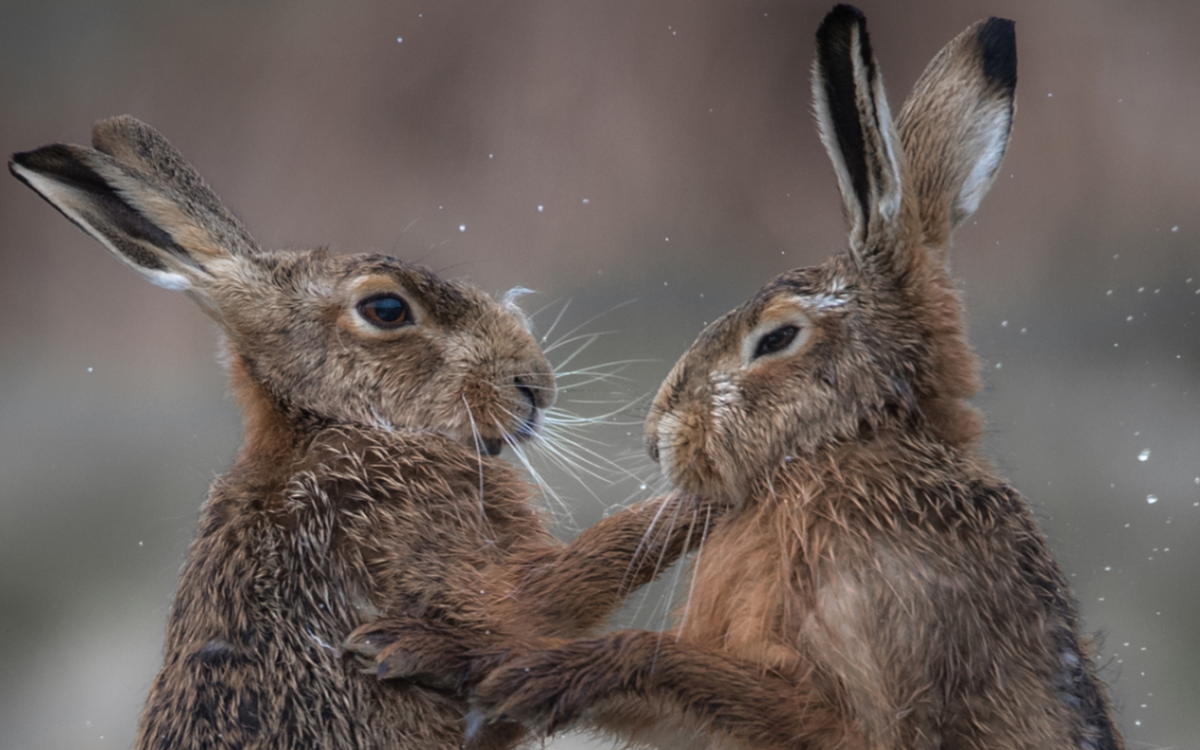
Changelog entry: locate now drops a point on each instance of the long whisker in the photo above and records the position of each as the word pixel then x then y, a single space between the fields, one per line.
pixel 589 321
pixel 558 318
pixel 547 491
pixel 478 453
pixel 687 605
pixel 557 444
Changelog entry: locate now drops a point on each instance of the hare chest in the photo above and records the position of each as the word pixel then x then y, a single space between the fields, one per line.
pixel 850 616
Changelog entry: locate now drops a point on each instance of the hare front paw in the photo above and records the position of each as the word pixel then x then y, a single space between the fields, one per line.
pixel 550 689
pixel 434 654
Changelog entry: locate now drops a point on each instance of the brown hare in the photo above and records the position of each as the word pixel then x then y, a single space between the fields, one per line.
pixel 875 584
pixel 374 395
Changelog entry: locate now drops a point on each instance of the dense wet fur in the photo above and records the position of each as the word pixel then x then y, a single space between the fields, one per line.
pixel 361 487
pixel 369 521
pixel 876 584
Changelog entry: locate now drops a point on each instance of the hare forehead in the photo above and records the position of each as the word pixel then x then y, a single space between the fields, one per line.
pixel 834 295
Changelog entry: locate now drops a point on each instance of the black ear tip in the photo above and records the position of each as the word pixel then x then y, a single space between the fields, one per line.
pixel 836 32
pixel 998 46
pixel 838 22
pixel 61 162
pixel 844 13
pixel 43 159
pixel 20 159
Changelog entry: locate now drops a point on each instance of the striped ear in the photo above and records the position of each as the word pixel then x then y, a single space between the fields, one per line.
pixel 956 123
pixel 857 130
pixel 141 200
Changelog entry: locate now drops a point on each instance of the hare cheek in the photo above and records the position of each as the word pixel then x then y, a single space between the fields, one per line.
pixel 726 395
pixel 681 454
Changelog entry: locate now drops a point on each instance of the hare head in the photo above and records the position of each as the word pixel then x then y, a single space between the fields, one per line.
pixel 873 339
pixel 311 339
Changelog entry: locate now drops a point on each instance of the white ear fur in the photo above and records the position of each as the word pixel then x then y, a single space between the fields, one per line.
pixel 956 122
pixel 856 127
pixel 990 142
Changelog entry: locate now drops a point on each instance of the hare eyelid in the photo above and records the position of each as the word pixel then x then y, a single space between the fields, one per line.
pixel 777 340
pixel 780 336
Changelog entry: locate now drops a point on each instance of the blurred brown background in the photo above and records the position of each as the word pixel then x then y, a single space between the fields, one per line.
pixel 656 154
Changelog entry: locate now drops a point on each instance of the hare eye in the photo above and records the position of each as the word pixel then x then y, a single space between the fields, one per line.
pixel 776 340
pixel 385 311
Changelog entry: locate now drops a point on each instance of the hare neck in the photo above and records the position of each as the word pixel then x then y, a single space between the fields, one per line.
pixel 271 442
pixel 879 470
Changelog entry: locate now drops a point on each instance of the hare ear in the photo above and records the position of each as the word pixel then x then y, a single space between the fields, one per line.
pixel 955 125
pixel 856 128
pixel 140 199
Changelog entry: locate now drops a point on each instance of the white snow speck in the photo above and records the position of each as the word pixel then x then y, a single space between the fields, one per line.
pixel 1151 499
pixel 1004 324
pixel 541 208
pixel 399 40
pixel 462 227
pixel 1175 229
pixel 1145 454
pixel 91 369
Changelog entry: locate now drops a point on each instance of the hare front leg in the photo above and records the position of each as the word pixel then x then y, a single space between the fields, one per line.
pixel 434 650
pixel 641 685
pixel 568 591
pixel 560 591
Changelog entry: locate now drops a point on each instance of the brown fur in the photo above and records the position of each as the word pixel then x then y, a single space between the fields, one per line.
pixel 361 487
pixel 876 585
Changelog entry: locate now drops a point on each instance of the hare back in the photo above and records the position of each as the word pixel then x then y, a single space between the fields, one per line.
pixel 273 585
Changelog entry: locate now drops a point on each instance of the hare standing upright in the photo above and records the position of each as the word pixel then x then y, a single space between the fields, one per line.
pixel 875 584
pixel 370 390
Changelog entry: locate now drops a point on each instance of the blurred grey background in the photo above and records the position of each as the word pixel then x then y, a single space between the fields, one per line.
pixel 660 155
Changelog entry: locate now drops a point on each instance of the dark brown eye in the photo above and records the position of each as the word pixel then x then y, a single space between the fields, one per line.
pixel 385 311
pixel 776 340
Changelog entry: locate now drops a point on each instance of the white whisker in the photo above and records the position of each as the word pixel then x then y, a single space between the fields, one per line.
pixel 478 453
